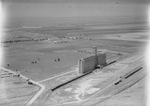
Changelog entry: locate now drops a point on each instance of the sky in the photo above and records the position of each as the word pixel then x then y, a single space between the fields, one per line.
pixel 28 12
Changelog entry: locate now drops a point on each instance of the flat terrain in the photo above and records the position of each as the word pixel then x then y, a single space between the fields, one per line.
pixel 14 90
pixel 99 85
pixel 133 96
pixel 35 51
pixel 42 54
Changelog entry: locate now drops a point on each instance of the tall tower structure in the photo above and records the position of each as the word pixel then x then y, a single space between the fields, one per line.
pixel 90 63
pixel 95 54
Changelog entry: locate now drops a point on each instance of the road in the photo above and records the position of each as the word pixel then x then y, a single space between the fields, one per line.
pixel 55 77
pixel 41 98
pixel 119 82
pixel 42 88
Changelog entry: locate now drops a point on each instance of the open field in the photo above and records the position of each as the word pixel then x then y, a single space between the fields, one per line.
pixel 14 90
pixel 43 53
pixel 68 44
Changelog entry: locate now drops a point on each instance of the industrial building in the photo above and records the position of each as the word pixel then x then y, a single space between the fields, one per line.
pixel 89 64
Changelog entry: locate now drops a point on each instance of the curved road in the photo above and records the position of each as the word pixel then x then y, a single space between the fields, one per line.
pixel 42 88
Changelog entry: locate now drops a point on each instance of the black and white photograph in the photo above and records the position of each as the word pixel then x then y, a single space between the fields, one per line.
pixel 74 52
